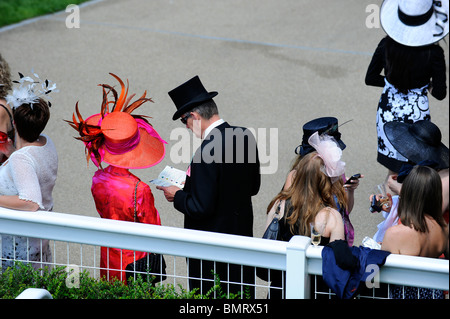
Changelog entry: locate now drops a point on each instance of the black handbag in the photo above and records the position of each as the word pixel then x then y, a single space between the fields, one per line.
pixel 273 233
pixel 152 265
pixel 273 230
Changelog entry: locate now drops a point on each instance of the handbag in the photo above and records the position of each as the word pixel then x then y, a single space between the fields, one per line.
pixel 273 233
pixel 273 229
pixel 153 265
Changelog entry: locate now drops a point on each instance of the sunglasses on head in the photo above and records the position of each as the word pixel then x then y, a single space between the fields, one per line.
pixel 185 118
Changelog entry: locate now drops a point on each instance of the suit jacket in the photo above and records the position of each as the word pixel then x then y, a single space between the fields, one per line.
pixel 224 175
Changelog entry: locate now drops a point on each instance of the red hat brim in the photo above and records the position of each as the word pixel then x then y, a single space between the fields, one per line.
pixel 149 151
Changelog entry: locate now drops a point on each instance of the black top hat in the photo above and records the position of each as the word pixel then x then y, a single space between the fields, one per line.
pixel 328 125
pixel 189 95
pixel 418 141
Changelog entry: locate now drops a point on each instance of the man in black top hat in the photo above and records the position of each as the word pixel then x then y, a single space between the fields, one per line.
pixel 221 179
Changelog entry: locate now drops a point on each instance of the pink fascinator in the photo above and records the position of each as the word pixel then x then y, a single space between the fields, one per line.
pixel 328 149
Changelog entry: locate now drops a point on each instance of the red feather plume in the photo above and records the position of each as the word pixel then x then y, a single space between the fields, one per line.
pixel 92 135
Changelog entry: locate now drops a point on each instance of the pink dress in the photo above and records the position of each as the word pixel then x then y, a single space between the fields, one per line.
pixel 113 192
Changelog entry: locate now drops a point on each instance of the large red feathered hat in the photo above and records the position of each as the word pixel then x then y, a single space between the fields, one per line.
pixel 117 137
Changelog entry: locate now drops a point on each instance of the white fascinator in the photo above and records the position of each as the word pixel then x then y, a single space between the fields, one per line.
pixel 30 90
pixel 327 148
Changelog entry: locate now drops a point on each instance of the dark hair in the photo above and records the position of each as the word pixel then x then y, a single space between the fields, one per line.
pixel 421 194
pixel 207 109
pixel 30 120
pixel 401 61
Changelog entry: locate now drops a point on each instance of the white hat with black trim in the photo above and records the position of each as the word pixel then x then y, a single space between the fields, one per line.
pixel 415 22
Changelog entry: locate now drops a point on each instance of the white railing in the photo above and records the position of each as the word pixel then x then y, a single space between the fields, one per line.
pixel 34 293
pixel 297 258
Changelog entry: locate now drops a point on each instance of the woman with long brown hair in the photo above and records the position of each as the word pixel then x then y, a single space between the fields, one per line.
pixel 315 196
pixel 329 126
pixel 312 198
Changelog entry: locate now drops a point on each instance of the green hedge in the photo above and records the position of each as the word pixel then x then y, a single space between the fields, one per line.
pixel 15 280
pixel 13 11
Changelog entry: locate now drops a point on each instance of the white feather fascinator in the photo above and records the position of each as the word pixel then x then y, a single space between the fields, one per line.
pixel 328 149
pixel 30 90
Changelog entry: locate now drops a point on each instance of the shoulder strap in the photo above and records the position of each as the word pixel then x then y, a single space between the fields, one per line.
pixel 281 209
pixel 135 195
pixel 7 111
pixel 339 209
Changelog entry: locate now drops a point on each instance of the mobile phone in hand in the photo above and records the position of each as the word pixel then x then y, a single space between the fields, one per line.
pixel 375 206
pixel 354 177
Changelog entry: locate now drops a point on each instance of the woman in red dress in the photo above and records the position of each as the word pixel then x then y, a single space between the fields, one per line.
pixel 123 141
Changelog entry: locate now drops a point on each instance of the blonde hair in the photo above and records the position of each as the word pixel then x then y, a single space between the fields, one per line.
pixel 311 190
pixel 5 78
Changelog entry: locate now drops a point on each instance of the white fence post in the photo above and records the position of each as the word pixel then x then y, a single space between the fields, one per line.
pixel 297 279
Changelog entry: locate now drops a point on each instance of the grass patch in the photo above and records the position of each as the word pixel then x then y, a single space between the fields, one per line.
pixel 16 279
pixel 13 11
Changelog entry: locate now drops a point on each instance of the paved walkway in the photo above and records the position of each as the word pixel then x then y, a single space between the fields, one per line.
pixel 276 64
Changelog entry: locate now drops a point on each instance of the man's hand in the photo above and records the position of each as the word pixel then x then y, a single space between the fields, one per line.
pixel 169 192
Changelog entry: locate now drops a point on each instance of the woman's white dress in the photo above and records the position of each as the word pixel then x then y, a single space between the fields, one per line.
pixel 30 173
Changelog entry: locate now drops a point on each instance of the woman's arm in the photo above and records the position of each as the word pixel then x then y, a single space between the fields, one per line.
pixel 438 87
pixel 331 220
pixel 26 181
pixel 350 188
pixel 373 74
pixel 14 202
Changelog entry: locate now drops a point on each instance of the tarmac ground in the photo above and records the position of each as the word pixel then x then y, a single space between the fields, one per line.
pixel 276 65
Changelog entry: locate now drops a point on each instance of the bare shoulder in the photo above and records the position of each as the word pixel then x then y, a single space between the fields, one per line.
pixel 328 215
pixel 332 219
pixel 401 239
pixel 401 231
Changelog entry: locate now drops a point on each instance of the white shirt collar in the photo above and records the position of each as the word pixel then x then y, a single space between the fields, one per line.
pixel 211 127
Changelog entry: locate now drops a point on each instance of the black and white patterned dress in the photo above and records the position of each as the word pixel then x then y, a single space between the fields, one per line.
pixel 397 106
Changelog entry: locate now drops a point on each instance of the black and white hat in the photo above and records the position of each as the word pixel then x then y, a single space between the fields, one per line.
pixel 415 22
